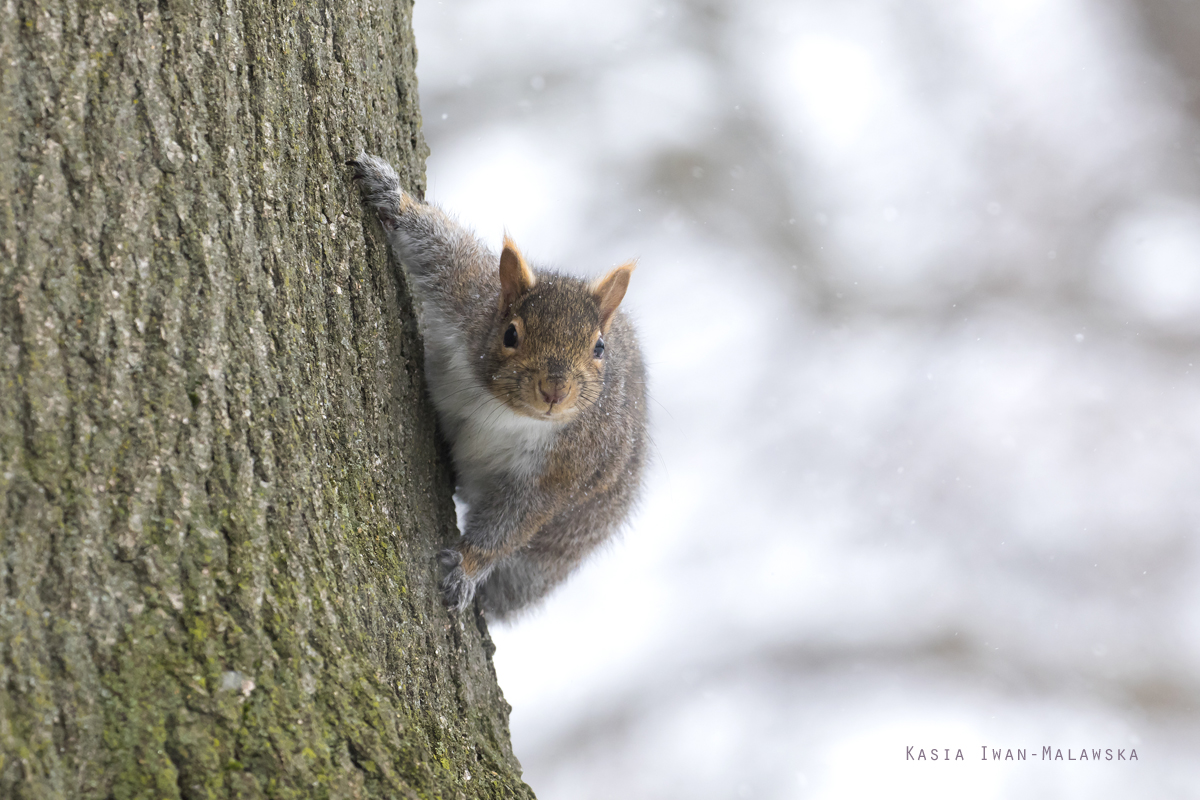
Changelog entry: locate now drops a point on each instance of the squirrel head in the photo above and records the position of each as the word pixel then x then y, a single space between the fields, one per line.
pixel 546 356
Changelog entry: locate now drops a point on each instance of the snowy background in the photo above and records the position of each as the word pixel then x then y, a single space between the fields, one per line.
pixel 920 292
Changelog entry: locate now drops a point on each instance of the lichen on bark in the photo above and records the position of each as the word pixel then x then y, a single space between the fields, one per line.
pixel 222 484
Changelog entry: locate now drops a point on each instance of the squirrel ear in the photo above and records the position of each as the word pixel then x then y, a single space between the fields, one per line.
pixel 609 290
pixel 516 278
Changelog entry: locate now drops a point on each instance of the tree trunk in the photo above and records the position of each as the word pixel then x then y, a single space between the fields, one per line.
pixel 222 485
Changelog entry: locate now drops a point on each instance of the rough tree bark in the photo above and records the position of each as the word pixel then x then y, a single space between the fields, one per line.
pixel 222 486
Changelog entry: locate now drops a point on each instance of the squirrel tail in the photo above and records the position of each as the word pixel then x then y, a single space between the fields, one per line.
pixel 516 583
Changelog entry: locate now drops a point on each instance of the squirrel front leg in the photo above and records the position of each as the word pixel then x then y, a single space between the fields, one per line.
pixel 504 519
pixel 449 263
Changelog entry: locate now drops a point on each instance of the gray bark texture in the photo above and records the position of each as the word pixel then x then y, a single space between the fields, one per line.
pixel 222 483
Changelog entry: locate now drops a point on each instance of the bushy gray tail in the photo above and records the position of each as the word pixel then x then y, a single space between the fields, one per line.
pixel 515 583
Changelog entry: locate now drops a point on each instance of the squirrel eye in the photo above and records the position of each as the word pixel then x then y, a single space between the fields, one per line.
pixel 598 350
pixel 510 336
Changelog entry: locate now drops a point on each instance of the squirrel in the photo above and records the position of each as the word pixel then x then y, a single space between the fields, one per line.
pixel 539 387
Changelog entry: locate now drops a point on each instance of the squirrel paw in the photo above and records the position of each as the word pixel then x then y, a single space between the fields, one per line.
pixel 380 187
pixel 457 587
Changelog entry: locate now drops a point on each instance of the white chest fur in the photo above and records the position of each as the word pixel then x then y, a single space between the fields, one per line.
pixel 487 438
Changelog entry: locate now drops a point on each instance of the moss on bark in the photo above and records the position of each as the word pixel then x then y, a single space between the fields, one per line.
pixel 222 486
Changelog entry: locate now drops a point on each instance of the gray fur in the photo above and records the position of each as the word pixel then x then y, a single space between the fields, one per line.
pixel 542 491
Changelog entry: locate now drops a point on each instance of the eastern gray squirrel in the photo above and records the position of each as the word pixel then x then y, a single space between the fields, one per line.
pixel 540 390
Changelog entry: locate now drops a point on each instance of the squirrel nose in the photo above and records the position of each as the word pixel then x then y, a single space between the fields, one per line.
pixel 553 393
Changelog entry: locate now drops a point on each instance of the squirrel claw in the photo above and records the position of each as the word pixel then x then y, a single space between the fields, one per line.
pixel 457 589
pixel 380 187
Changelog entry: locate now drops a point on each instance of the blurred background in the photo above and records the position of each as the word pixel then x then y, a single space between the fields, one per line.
pixel 920 292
